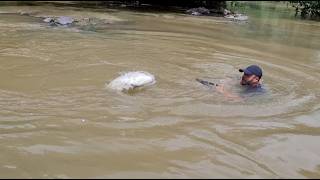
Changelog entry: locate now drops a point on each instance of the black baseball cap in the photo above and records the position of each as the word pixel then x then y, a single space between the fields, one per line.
pixel 253 69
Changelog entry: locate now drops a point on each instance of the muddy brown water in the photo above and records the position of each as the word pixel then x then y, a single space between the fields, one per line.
pixel 58 120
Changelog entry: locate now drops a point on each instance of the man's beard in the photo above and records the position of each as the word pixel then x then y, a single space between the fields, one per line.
pixel 244 82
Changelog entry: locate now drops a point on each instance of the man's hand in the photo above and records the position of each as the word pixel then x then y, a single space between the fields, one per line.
pixel 220 88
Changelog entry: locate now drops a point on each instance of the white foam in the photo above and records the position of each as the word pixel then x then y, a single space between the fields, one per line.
pixel 131 80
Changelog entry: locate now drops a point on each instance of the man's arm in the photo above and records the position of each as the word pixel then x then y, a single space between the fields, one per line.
pixel 220 88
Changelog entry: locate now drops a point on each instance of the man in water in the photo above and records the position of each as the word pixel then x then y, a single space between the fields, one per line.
pixel 250 81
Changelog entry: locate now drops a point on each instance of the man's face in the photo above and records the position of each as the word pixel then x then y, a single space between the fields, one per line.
pixel 251 80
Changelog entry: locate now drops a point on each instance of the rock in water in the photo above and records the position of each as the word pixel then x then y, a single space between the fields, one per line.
pixel 226 12
pixel 237 17
pixel 65 20
pixel 196 14
pixel 241 18
pixel 132 80
pixel 60 21
pixel 198 11
pixel 48 20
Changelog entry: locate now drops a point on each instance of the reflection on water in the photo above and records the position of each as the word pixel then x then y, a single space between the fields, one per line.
pixel 58 120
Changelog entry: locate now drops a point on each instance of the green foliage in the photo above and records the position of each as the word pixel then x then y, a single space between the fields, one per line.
pixel 307 9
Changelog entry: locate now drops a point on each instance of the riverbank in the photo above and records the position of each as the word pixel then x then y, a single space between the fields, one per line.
pixel 119 5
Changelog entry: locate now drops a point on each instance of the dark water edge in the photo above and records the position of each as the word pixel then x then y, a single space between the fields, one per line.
pixel 217 10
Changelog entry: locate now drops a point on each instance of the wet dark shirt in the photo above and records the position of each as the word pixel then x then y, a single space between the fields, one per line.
pixel 256 90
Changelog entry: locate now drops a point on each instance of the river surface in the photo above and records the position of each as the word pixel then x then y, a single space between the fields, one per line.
pixel 58 119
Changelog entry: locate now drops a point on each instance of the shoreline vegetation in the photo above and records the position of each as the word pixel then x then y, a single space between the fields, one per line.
pixel 303 9
pixel 215 7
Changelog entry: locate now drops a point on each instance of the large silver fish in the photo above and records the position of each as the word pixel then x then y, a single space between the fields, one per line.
pixel 132 80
